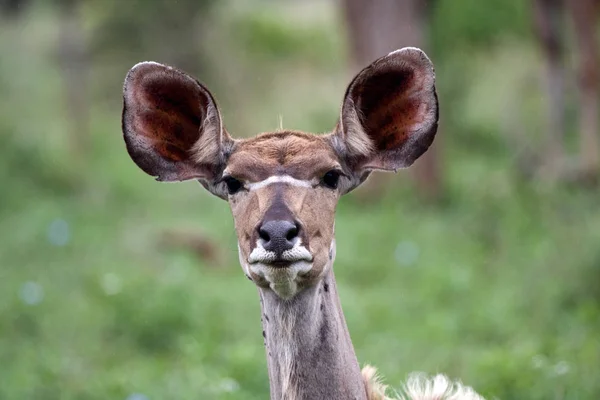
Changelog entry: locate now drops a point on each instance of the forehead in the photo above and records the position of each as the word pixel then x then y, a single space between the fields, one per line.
pixel 298 154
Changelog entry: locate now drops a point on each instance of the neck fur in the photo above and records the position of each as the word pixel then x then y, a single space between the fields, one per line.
pixel 309 351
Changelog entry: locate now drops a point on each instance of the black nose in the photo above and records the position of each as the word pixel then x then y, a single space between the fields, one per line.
pixel 278 235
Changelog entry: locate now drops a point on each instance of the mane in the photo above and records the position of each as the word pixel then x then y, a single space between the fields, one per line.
pixel 418 387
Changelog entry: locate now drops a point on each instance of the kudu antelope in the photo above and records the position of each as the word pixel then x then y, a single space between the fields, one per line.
pixel 283 188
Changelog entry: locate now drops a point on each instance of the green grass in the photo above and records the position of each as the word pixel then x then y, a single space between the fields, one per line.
pixel 497 286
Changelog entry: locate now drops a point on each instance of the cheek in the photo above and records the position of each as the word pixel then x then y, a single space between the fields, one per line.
pixel 317 216
pixel 246 214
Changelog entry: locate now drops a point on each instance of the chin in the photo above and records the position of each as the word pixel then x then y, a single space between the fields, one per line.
pixel 286 280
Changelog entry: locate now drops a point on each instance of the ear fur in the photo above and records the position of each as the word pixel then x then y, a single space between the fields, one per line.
pixel 172 126
pixel 389 116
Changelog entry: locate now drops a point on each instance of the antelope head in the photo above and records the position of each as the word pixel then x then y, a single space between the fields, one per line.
pixel 282 187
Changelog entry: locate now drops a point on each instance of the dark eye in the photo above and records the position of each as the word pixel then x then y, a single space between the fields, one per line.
pixel 233 185
pixel 331 178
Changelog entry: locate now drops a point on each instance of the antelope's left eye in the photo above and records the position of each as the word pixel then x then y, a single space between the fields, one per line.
pixel 331 179
pixel 233 185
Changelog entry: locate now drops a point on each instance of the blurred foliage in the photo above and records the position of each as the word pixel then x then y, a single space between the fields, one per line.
pixel 148 27
pixel 264 36
pixel 472 23
pixel 498 286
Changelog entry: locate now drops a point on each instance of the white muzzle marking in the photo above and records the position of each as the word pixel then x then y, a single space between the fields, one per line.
pixel 282 280
pixel 296 253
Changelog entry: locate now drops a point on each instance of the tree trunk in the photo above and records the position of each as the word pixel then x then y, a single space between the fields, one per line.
pixel 584 14
pixel 549 29
pixel 13 8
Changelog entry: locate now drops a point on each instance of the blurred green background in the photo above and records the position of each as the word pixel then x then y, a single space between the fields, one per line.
pixel 112 286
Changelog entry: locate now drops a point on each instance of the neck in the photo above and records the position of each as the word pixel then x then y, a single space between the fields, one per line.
pixel 309 351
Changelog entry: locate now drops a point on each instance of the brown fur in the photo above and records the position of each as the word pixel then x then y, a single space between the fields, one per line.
pixel 298 154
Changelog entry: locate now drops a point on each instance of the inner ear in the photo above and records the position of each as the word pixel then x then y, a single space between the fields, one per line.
pixel 171 124
pixel 390 112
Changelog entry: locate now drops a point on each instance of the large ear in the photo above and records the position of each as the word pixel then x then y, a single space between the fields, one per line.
pixel 389 115
pixel 172 126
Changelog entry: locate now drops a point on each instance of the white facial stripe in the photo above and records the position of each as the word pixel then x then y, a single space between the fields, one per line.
pixel 279 179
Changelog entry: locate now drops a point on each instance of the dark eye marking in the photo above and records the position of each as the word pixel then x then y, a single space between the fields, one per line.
pixel 233 185
pixel 331 178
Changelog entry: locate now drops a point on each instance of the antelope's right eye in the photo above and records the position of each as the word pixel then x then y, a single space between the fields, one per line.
pixel 233 185
pixel 331 178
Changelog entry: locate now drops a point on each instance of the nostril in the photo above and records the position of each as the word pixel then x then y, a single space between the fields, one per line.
pixel 292 233
pixel 264 235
